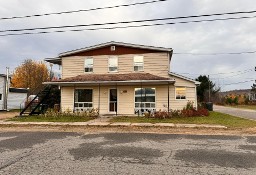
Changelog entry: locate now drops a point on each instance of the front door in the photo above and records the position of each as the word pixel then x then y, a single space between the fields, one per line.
pixel 112 100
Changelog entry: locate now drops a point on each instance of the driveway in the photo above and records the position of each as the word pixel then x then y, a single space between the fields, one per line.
pixel 125 153
pixel 244 113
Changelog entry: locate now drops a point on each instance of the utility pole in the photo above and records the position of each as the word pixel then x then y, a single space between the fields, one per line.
pixel 6 88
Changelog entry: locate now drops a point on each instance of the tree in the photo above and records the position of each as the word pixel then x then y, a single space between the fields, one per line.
pixel 30 74
pixel 253 90
pixel 203 88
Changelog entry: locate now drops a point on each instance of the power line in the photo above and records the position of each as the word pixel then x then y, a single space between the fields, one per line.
pixel 134 21
pixel 205 54
pixel 131 26
pixel 242 71
pixel 82 10
pixel 238 82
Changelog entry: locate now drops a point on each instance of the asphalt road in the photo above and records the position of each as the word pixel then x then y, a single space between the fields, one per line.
pixel 125 153
pixel 244 113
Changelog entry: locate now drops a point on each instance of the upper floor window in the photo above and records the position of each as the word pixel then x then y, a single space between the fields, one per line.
pixel 113 64
pixel 0 96
pixel 180 93
pixel 138 63
pixel 88 65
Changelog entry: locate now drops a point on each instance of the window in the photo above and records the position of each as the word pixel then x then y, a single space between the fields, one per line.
pixel 88 65
pixel 180 93
pixel 113 64
pixel 145 100
pixel 83 99
pixel 138 63
pixel 0 96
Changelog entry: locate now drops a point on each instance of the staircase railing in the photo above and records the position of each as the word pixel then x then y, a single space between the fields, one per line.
pixel 36 106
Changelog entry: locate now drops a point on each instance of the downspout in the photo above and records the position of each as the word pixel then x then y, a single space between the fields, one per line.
pixel 99 100
pixel 141 96
pixel 168 98
pixel 116 98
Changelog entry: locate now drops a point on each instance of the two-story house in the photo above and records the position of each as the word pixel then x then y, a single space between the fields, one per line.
pixel 121 78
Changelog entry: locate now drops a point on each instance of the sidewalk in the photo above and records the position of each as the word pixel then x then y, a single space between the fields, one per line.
pixel 104 122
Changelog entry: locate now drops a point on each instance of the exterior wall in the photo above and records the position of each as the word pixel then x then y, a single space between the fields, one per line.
pixel 2 91
pixel 67 98
pixel 154 63
pixel 125 104
pixel 15 99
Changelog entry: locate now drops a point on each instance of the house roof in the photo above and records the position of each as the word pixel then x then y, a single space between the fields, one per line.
pixel 183 77
pixel 18 90
pixel 57 60
pixel 114 43
pixel 112 78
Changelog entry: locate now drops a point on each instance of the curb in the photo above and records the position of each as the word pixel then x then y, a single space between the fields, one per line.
pixel 108 124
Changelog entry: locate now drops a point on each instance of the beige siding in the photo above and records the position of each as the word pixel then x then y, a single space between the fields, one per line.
pixel 67 98
pixel 126 100
pixel 154 63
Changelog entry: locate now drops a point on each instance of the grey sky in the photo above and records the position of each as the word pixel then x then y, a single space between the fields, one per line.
pixel 207 37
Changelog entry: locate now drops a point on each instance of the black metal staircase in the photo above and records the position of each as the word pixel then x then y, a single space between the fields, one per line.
pixel 37 105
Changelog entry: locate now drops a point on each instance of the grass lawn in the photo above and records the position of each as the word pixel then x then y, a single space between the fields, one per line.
pixel 253 107
pixel 214 118
pixel 40 118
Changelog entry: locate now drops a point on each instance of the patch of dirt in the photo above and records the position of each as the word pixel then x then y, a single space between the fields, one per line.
pixel 160 130
pixel 6 115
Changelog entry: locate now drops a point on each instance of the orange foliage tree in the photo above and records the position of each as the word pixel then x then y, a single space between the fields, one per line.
pixel 30 74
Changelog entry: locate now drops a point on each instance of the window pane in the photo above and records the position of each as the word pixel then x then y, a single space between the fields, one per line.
pixel 112 69
pixel 88 65
pixel 113 61
pixel 88 69
pixel 88 61
pixel 180 93
pixel 83 95
pixel 138 59
pixel 138 63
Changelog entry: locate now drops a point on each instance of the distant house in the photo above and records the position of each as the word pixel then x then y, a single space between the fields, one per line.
pixel 121 78
pixel 15 96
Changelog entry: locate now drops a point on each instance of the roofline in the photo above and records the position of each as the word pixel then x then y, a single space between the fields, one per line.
pixel 108 82
pixel 114 43
pixel 185 78
pixel 56 60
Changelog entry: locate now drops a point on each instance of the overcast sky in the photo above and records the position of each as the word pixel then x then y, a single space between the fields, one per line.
pixel 198 38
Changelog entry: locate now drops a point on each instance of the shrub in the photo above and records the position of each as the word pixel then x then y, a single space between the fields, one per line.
pixel 68 113
pixel 189 105
pixel 161 114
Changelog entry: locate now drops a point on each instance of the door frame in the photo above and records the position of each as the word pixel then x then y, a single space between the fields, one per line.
pixel 113 112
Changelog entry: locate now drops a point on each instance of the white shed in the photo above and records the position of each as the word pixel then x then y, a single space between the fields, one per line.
pixel 15 95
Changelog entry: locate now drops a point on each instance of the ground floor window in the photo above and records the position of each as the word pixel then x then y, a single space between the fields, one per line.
pixel 83 99
pixel 145 100
pixel 180 93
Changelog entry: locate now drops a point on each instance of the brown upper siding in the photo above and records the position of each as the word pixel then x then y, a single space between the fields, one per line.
pixel 119 50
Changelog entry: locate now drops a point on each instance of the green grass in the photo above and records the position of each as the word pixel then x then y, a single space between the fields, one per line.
pixel 41 118
pixel 253 107
pixel 214 118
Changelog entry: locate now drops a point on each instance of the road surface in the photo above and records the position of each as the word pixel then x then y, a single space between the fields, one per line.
pixel 244 113
pixel 125 153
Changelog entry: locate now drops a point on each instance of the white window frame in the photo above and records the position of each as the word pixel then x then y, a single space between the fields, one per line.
pixel 139 64
pixel 176 93
pixel 111 66
pixel 83 107
pixel 152 107
pixel 88 66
